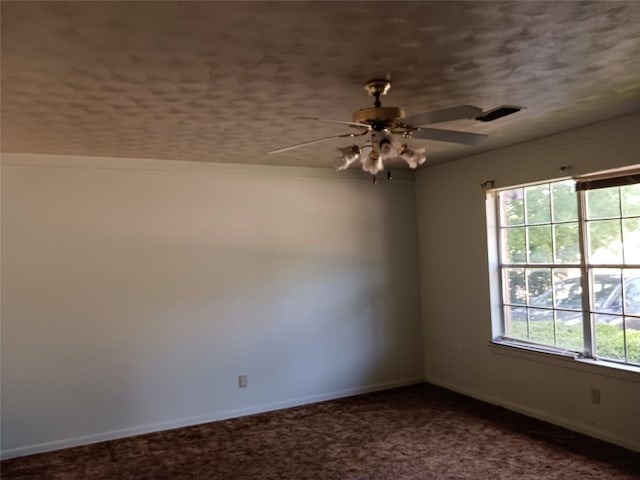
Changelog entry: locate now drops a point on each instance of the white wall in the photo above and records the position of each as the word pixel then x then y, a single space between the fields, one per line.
pixel 135 292
pixel 455 286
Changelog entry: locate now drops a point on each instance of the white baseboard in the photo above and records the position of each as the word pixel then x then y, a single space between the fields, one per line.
pixel 540 415
pixel 190 421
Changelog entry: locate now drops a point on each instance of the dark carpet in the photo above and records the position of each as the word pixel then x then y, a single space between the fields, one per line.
pixel 416 432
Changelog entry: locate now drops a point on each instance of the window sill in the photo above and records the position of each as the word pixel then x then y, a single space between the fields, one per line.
pixel 566 360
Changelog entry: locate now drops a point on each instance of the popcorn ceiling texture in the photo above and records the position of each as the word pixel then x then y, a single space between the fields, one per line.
pixel 225 81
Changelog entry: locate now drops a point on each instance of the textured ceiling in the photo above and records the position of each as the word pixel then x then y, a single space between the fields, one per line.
pixel 225 81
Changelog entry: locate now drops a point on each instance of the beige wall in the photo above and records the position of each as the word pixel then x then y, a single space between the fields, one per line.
pixel 455 286
pixel 135 292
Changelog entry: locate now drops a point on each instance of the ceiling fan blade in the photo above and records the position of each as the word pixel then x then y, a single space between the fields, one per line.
pixel 452 136
pixel 311 142
pixel 445 115
pixel 499 112
pixel 340 122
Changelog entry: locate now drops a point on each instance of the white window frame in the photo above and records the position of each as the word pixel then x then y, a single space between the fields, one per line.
pixel 497 288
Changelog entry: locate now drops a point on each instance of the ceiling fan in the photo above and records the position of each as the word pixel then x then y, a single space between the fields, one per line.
pixel 390 129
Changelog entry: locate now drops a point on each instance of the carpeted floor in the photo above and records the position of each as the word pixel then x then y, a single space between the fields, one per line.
pixel 417 432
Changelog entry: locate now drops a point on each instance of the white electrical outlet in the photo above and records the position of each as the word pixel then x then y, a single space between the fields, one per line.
pixel 242 381
pixel 595 396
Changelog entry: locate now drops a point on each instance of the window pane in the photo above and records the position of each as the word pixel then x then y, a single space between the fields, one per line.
pixel 569 331
pixel 565 201
pixel 513 245
pixel 568 290
pixel 541 326
pixel 630 195
pixel 516 323
pixel 538 204
pixel 539 315
pixel 631 292
pixel 633 339
pixel 603 203
pixel 631 238
pixel 539 287
pixel 609 336
pixel 605 241
pixel 540 244
pixel 514 286
pixel 512 207
pixel 606 290
pixel 567 245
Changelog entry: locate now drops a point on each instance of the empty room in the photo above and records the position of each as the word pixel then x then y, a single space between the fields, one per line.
pixel 324 240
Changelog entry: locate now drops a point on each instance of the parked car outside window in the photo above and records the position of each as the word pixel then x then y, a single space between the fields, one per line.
pixel 608 299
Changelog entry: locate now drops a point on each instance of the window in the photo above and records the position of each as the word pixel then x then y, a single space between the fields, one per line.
pixel 569 265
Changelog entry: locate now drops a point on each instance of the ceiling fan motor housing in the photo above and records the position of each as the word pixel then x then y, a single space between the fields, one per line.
pixel 384 117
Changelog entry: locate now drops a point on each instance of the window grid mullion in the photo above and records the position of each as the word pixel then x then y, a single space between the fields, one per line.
pixel 622 277
pixel 526 258
pixel 541 265
pixel 498 211
pixel 554 259
pixel 587 323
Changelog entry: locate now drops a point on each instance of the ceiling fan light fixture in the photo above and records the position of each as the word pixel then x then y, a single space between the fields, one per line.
pixel 372 163
pixel 413 156
pixel 387 149
pixel 348 155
